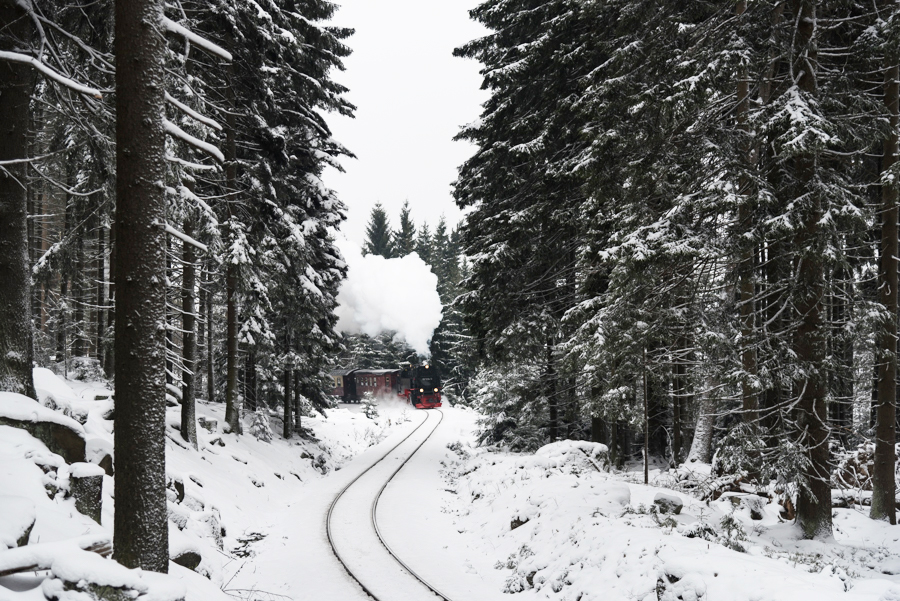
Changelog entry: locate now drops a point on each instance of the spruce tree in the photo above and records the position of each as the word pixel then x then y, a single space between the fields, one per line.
pixel 423 244
pixel 378 234
pixel 405 236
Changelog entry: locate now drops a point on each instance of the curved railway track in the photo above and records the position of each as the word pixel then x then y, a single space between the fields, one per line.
pixel 374 518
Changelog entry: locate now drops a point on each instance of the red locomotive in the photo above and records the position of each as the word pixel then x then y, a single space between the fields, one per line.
pixel 420 385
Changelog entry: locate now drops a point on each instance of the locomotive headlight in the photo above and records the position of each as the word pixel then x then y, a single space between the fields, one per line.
pixel 421 390
pixel 435 389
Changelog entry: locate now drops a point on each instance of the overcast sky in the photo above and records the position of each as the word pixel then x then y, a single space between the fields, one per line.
pixel 411 96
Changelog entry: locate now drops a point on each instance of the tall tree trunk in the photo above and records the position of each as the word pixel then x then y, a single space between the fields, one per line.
pixel 288 422
pixel 62 339
pixel 298 413
pixel 109 365
pixel 210 342
pixel 201 332
pixel 189 339
pixel 232 399
pixel 288 380
pixel 813 499
pixel 750 402
pixel 140 526
pixel 552 394
pixel 840 410
pixel 16 85
pixel 233 407
pixel 679 399
pixel 79 348
pixel 101 291
pixel 250 381
pixel 170 342
pixel 883 484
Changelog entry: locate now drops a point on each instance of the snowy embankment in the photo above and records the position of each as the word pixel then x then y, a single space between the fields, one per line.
pixel 557 527
pixel 219 496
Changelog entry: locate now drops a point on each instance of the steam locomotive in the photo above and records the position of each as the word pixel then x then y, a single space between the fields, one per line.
pixel 420 385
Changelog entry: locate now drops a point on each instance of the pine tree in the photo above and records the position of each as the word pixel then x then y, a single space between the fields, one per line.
pixel 405 235
pixel 423 244
pixel 378 234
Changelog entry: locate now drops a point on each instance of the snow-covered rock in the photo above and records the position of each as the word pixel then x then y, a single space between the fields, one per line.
pixel 61 434
pixel 668 503
pixel 17 521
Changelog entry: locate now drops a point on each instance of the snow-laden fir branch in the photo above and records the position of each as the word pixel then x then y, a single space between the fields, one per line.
pixel 182 236
pixel 192 113
pixel 179 133
pixel 58 78
pixel 192 37
pixel 187 194
pixel 189 164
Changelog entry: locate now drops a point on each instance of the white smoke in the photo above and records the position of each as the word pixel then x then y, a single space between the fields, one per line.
pixel 388 295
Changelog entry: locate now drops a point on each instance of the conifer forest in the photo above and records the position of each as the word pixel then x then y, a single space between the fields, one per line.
pixel 674 278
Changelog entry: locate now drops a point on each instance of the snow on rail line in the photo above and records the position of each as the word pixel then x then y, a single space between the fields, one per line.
pixel 400 566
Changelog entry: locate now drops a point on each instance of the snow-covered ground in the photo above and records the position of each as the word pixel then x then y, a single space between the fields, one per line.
pixel 222 497
pixel 477 524
pixel 557 528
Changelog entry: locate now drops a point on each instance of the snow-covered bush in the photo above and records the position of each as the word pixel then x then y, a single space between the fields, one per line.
pixel 369 408
pixel 86 369
pixel 260 427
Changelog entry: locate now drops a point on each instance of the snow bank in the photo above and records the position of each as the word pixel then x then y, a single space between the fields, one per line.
pixel 21 408
pixel 559 529
pixel 389 295
pixel 18 515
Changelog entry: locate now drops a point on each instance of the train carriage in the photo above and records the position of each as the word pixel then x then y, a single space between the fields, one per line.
pixel 420 385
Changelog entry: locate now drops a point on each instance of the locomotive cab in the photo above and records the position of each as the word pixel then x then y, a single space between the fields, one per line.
pixel 423 386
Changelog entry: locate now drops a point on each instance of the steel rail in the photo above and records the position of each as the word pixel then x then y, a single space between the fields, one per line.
pixel 375 520
pixel 374 504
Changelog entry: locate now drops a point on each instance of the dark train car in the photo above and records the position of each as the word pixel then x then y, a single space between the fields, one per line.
pixel 421 385
pixel 352 385
pixel 379 382
pixel 343 384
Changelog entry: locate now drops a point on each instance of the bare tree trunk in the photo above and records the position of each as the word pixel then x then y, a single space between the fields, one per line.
pixel 210 342
pixel 16 85
pixel 883 479
pixel 140 525
pixel 189 339
pixel 109 365
pixel 552 394
pixel 288 380
pixel 101 291
pixel 679 400
pixel 750 402
pixel 288 402
pixel 298 414
pixel 814 499
pixel 232 401
pixel 233 407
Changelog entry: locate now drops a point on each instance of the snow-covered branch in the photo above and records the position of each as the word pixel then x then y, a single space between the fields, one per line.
pixel 182 236
pixel 206 147
pixel 58 78
pixel 192 113
pixel 192 37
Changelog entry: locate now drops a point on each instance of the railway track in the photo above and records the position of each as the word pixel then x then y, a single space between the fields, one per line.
pixel 380 581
